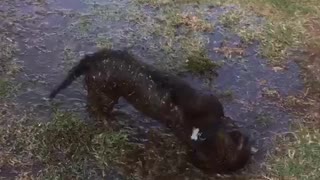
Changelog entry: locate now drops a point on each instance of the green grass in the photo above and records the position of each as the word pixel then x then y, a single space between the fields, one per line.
pixel 68 148
pixel 198 63
pixel 227 95
pixel 4 88
pixel 7 88
pixel 69 140
pixel 82 26
pixel 291 6
pixel 69 56
pixel 8 49
pixel 103 41
pixel 231 19
pixel 264 120
pixel 186 48
pixel 276 37
pixel 285 28
pixel 172 35
pixel 65 147
pixel 298 157
pixel 179 2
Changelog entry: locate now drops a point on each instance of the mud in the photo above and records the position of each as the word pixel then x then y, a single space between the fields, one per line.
pixel 52 35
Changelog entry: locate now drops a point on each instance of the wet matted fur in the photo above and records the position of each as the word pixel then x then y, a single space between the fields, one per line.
pixel 197 118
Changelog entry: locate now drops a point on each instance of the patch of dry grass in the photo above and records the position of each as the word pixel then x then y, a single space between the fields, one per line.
pixel 194 22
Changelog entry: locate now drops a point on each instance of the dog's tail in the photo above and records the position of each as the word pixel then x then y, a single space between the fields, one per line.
pixel 73 74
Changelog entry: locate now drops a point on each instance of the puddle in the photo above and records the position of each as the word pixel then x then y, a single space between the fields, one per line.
pixel 246 78
pixel 46 31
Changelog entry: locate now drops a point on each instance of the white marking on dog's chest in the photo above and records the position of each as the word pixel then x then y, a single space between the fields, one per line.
pixel 195 134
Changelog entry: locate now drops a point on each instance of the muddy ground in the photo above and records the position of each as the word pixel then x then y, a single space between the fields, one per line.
pixel 42 39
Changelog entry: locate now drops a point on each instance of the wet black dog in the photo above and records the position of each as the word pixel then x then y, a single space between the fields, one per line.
pixel 196 118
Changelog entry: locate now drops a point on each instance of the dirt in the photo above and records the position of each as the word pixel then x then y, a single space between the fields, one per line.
pixel 52 35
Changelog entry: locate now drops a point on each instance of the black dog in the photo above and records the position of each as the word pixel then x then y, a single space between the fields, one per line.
pixel 196 118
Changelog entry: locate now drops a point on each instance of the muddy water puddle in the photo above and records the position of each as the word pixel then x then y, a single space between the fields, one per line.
pixel 53 35
pixel 247 79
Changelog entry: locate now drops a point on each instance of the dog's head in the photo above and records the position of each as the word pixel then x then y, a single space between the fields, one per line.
pixel 220 148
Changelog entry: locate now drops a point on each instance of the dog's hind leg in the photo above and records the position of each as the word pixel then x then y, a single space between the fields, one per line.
pixel 100 104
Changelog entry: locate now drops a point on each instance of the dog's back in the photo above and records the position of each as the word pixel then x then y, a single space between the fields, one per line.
pixel 85 65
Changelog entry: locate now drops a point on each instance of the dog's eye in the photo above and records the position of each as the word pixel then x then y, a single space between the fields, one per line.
pixel 201 137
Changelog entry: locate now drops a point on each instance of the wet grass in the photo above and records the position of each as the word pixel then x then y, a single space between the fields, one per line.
pixel 264 120
pixel 5 88
pixel 199 63
pixel 183 41
pixel 170 34
pixel 180 2
pixel 284 29
pixel 69 57
pixel 231 19
pixel 67 147
pixel 8 49
pixel 292 7
pixel 298 155
pixel 103 42
pixel 8 66
pixel 277 38
pixel 8 89
pixel 82 26
pixel 73 146
pixel 193 22
pixel 64 147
